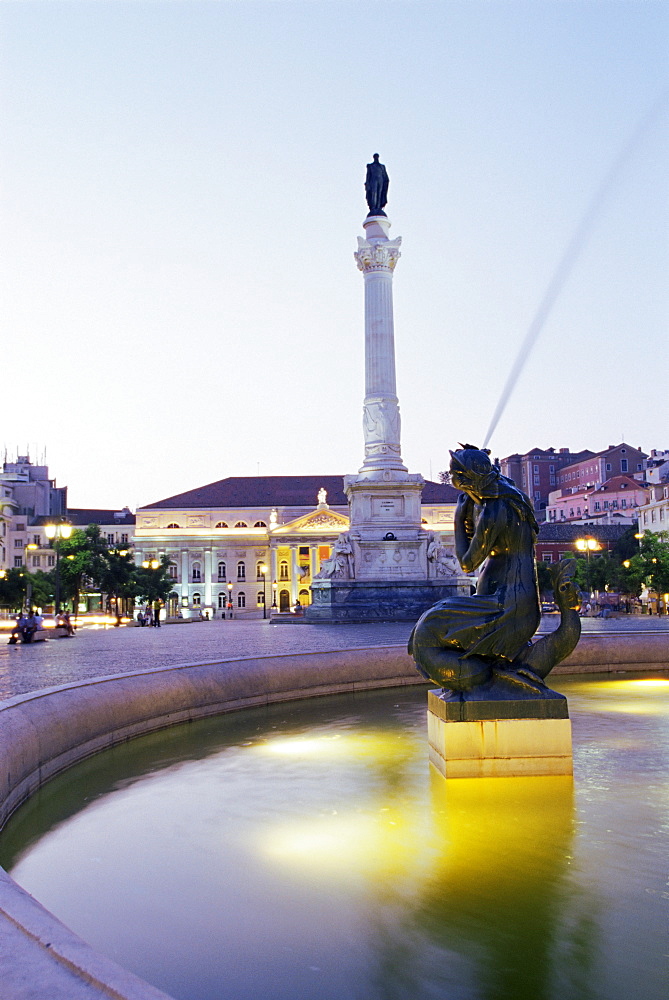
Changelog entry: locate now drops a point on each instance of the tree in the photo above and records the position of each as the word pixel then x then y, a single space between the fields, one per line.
pixel 13 588
pixel 118 577
pixel 153 583
pixel 82 558
pixel 650 568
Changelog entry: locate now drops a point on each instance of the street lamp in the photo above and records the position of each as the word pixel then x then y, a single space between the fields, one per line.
pixel 55 532
pixel 588 545
pixel 274 589
pixel 262 568
pixel 229 599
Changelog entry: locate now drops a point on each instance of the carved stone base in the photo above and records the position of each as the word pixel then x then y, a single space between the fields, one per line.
pixel 532 743
pixel 374 601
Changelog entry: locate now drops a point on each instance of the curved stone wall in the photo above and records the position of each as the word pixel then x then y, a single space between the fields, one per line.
pixel 47 731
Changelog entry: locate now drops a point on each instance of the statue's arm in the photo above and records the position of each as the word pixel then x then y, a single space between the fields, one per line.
pixel 483 540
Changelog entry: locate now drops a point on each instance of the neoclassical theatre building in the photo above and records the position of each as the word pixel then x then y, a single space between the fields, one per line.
pixel 256 543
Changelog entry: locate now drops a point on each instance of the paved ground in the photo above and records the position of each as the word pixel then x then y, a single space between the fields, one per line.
pixel 96 652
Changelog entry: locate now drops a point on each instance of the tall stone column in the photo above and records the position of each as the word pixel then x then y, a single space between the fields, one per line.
pixel 376 257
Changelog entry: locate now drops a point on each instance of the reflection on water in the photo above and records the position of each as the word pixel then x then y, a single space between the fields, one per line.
pixel 310 851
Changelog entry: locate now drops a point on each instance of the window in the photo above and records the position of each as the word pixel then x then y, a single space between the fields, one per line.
pixel 241 599
pixel 304 550
pixel 110 538
pixel 173 525
pixel 608 466
pixel 652 514
pixel 124 539
pixel 260 524
pixel 197 600
pixel 638 466
pixel 51 560
pixel 283 570
pixel 18 543
pixel 571 511
pixel 241 571
pixel 537 495
pixel 221 571
pixel 623 465
pixel 623 503
pixel 241 524
pixel 597 505
pixel 37 540
pixel 259 573
pixel 606 505
pixel 536 469
pixel 221 599
pixel 17 562
pixel 196 572
pixel 221 524
pixel 536 480
pixel 551 468
pixel 260 599
pixel 35 560
pixel 172 570
pixel 548 558
pixel 614 504
pixel 578 511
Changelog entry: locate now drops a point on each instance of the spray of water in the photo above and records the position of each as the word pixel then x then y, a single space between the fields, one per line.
pixel 572 253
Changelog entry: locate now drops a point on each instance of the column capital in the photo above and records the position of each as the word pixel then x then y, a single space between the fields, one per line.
pixel 377 255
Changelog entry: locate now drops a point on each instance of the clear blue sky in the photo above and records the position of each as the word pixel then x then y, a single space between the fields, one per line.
pixel 181 196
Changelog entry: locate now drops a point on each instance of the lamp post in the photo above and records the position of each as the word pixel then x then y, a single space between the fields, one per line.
pixel 274 589
pixel 262 569
pixel 588 545
pixel 55 532
pixel 229 599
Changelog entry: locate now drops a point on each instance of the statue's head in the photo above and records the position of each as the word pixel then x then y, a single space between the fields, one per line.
pixel 376 156
pixel 473 472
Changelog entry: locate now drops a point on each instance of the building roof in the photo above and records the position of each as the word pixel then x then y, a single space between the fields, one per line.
pixel 617 483
pixel 565 531
pixel 85 516
pixel 280 491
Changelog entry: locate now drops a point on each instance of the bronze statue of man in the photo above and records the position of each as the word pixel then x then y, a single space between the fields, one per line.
pixel 376 186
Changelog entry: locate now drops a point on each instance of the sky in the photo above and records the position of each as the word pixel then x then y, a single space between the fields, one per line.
pixel 181 192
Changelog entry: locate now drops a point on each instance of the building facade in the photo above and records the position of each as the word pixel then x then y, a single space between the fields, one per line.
pixel 252 546
pixel 537 472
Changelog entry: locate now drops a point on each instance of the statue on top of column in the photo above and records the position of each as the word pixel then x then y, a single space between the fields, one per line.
pixel 376 186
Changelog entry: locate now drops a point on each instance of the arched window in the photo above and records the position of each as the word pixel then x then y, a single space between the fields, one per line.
pixel 259 572
pixel 196 600
pixel 222 599
pixel 241 571
pixel 283 570
pixel 221 524
pixel 241 524
pixel 260 524
pixel 260 599
pixel 221 571
pixel 196 572
pixel 172 570
pixel 173 525
pixel 241 599
pixel 304 597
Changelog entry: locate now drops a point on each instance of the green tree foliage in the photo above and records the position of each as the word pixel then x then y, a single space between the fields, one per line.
pixel 153 584
pixel 650 567
pixel 13 588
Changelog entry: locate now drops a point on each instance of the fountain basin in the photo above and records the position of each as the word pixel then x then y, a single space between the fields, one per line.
pixel 46 732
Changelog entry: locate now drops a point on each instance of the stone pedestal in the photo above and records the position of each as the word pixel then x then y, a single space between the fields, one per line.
pixel 491 739
pixel 377 600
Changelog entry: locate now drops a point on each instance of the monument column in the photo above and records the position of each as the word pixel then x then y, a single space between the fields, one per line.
pixel 376 257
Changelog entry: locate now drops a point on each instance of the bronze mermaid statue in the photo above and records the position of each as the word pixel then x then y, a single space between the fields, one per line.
pixel 480 647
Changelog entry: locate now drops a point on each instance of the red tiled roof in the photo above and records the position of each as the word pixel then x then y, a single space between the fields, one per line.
pixel 280 491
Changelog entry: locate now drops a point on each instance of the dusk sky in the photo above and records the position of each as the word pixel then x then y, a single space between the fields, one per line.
pixel 182 188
